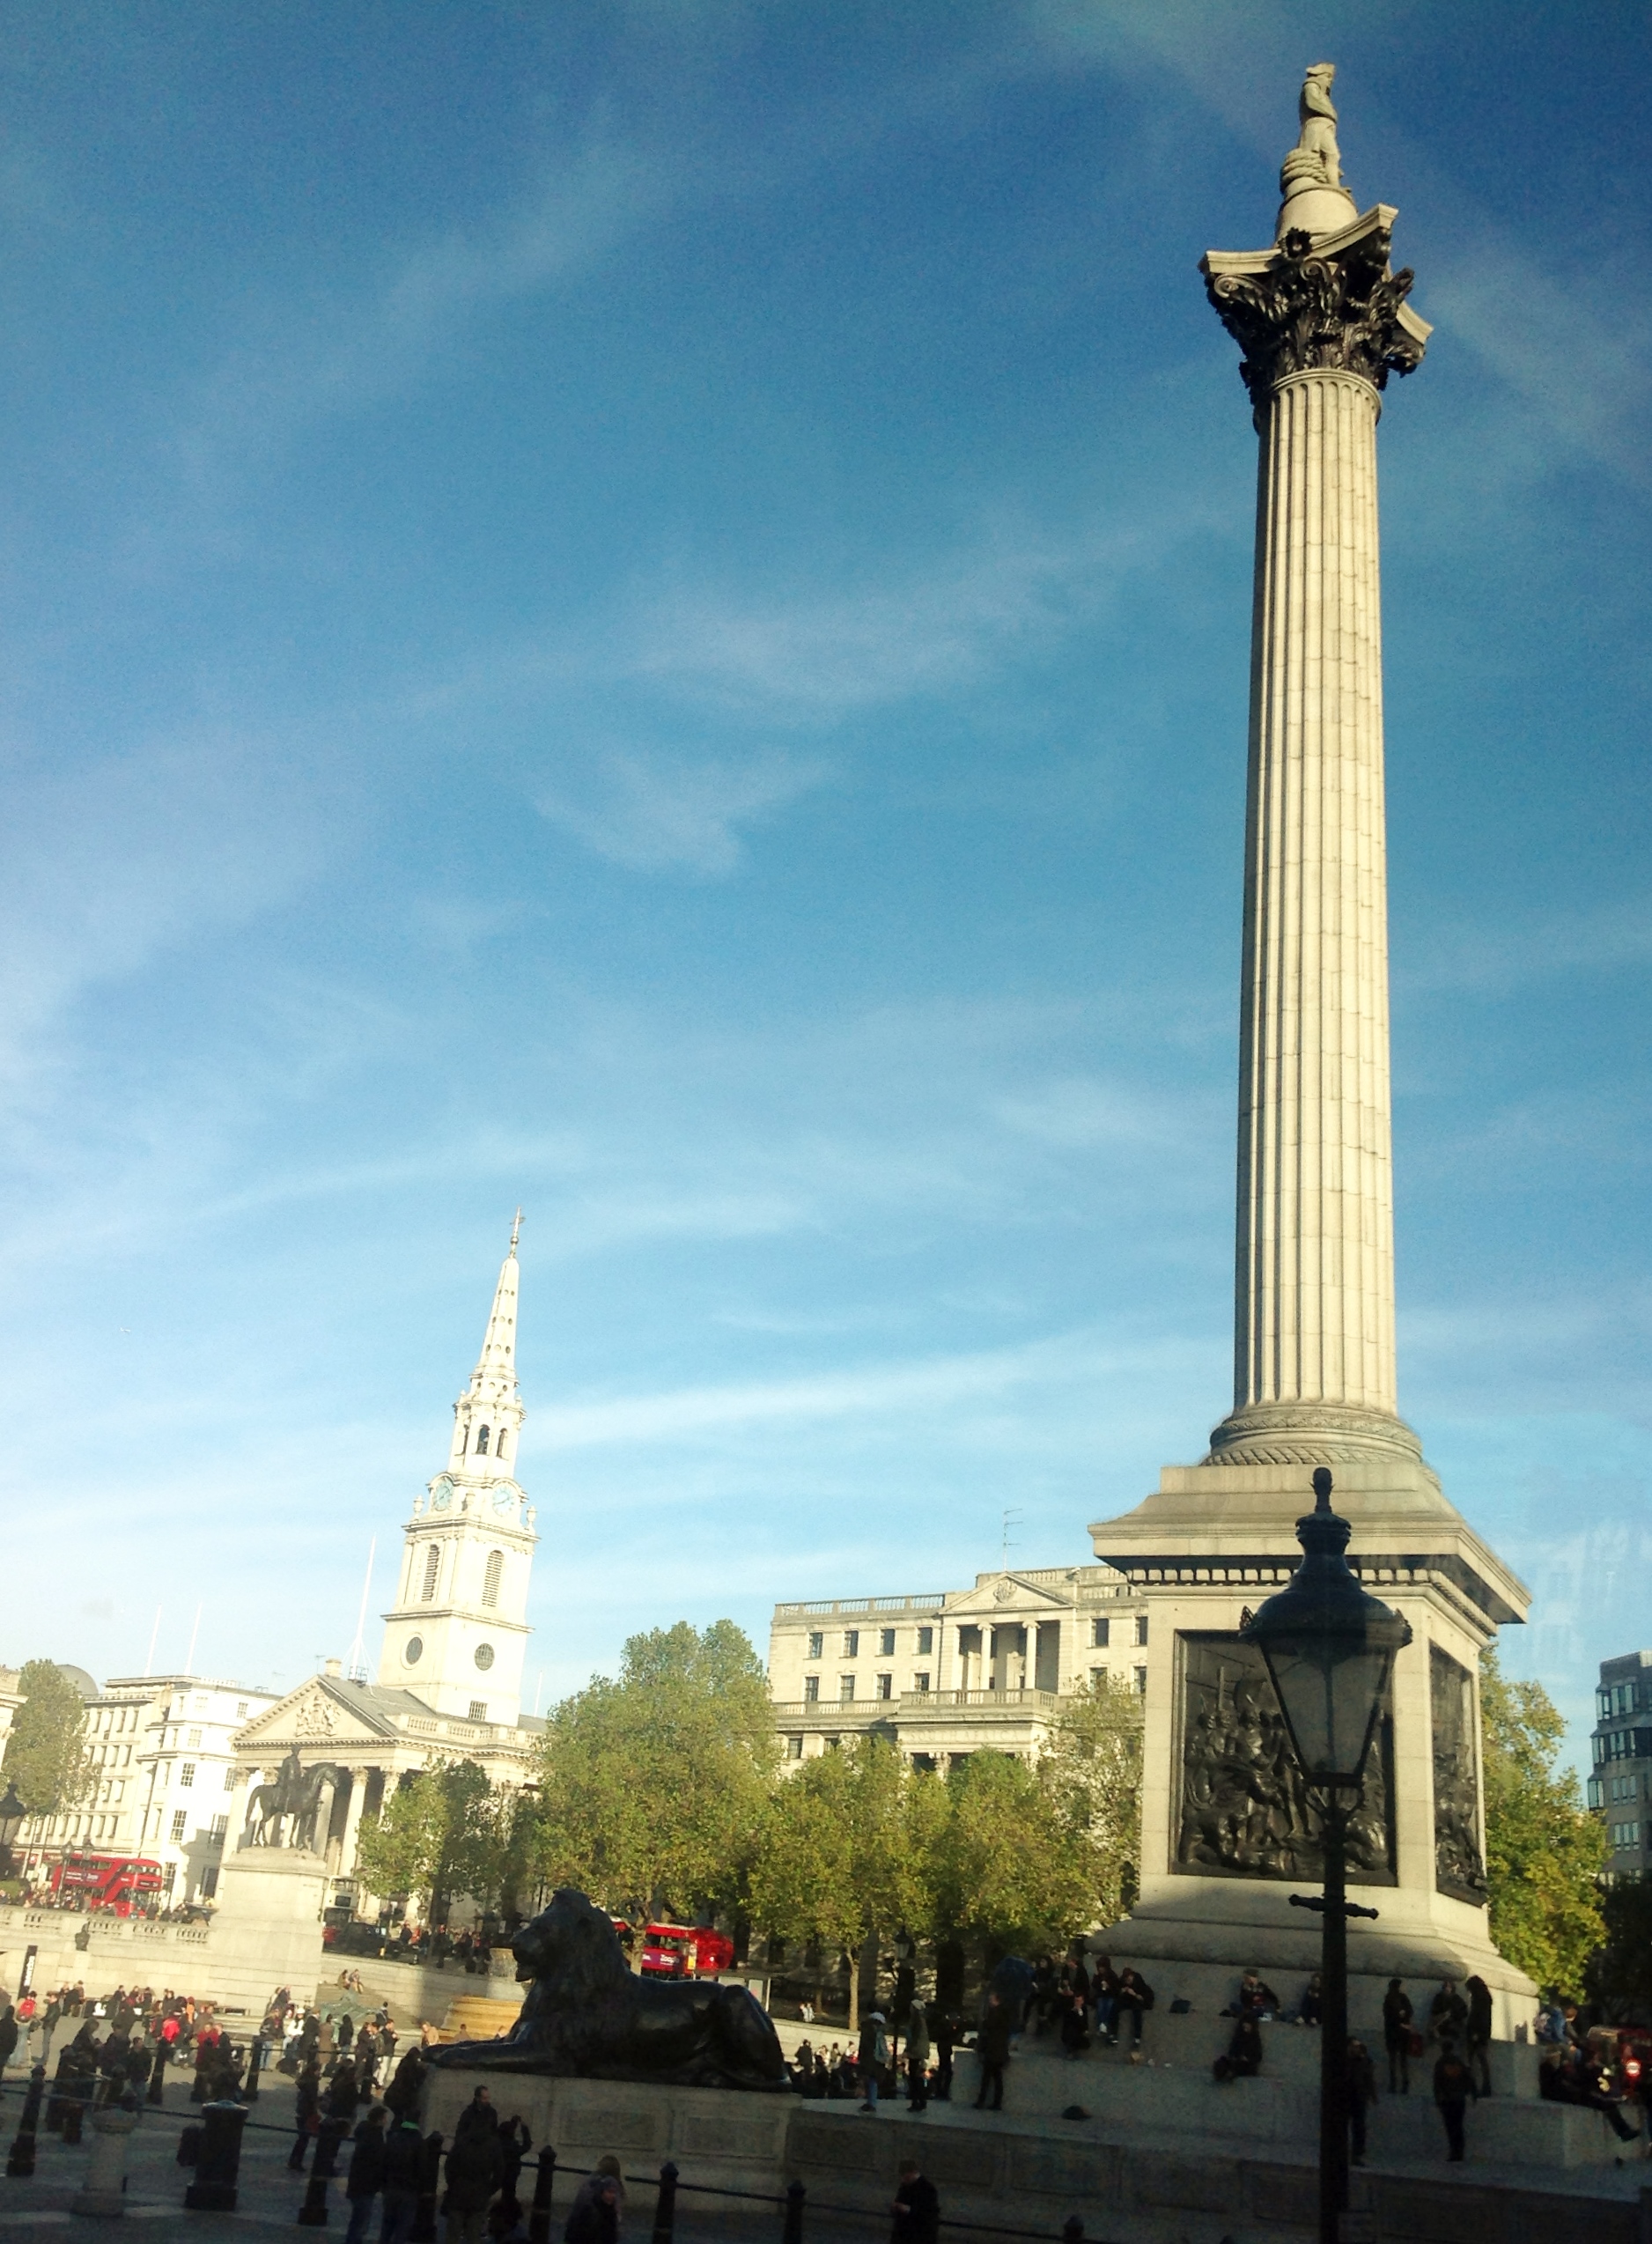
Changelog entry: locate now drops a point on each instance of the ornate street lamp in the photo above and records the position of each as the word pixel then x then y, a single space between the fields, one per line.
pixel 1329 1648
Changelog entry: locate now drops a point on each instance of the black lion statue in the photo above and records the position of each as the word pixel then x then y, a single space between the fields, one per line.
pixel 587 2015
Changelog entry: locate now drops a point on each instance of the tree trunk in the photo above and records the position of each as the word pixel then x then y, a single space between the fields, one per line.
pixel 854 1990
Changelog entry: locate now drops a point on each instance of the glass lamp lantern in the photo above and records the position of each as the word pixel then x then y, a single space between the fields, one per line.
pixel 1328 1647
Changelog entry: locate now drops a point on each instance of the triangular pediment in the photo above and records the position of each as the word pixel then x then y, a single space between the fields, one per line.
pixel 318 1715
pixel 1006 1596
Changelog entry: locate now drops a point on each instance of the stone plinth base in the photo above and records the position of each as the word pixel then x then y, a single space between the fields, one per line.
pixel 267 1932
pixel 716 2137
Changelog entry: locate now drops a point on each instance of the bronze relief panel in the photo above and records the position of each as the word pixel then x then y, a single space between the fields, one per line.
pixel 1242 1809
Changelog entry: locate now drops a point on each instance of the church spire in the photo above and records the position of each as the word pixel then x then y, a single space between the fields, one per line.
pixel 488 1416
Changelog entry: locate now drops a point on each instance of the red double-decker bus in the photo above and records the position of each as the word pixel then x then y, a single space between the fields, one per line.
pixel 116 1882
pixel 685 1952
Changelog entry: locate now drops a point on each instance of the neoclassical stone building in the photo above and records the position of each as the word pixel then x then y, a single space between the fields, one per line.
pixel 449 1681
pixel 956 1671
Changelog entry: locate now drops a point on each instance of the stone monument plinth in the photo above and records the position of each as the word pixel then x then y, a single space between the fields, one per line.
pixel 267 1932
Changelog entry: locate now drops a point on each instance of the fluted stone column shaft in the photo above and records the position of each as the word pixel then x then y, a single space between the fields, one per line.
pixel 1313 1316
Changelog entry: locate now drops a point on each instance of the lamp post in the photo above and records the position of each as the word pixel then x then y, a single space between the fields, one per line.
pixel 1329 1648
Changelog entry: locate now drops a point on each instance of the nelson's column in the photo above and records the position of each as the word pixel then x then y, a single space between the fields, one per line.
pixel 1321 323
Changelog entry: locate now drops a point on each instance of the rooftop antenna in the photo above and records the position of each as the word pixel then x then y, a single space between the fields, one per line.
pixel 539 1684
pixel 355 1665
pixel 1011 1519
pixel 148 1665
pixel 188 1664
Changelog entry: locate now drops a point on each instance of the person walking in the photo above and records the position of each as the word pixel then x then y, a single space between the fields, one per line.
pixel 594 2216
pixel 1479 2034
pixel 946 2041
pixel 515 2142
pixel 1453 2086
pixel 916 2059
pixel 366 2178
pixel 917 2209
pixel 474 2167
pixel 1362 2094
pixel 307 2114
pixel 403 2177
pixel 992 2046
pixel 873 2052
pixel 1396 2038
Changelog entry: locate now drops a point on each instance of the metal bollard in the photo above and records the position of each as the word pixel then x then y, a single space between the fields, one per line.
pixel 1073 2231
pixel 544 2183
pixel 217 2164
pixel 326 2143
pixel 158 2073
pixel 20 2164
pixel 74 2110
pixel 666 2204
pixel 103 2190
pixel 793 2231
pixel 424 2228
pixel 312 2211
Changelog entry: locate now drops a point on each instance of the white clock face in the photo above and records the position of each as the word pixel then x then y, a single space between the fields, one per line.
pixel 442 1494
pixel 504 1496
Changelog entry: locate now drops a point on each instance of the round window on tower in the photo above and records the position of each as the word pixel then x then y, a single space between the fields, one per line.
pixel 414 1651
pixel 484 1656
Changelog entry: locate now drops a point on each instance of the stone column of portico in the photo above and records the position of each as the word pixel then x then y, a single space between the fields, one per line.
pixel 1323 323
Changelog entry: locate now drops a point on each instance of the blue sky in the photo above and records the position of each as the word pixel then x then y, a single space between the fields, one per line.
pixel 644 609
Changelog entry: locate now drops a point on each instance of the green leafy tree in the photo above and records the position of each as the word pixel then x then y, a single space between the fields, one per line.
pixel 1091 1770
pixel 653 1783
pixel 439 1837
pixel 1619 1976
pixel 1012 1862
pixel 46 1754
pixel 1544 1852
pixel 843 1850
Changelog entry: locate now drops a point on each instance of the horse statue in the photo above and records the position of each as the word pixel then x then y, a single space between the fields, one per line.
pixel 293 1799
pixel 588 2016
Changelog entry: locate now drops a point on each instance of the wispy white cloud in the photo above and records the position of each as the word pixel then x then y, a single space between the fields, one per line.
pixel 648 810
pixel 1494 961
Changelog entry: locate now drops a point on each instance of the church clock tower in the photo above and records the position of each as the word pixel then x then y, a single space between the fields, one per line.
pixel 457 1634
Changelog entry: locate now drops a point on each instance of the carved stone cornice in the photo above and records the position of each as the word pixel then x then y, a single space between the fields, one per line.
pixel 1325 303
pixel 1307 1433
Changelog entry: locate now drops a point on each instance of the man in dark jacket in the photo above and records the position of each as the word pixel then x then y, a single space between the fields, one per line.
pixel 1396 2038
pixel 1453 2086
pixel 515 2142
pixel 1362 2094
pixel 402 2095
pixel 8 2035
pixel 403 2176
pixel 366 2178
pixel 916 2208
pixel 992 2045
pixel 474 2168
pixel 1134 2001
pixel 870 2057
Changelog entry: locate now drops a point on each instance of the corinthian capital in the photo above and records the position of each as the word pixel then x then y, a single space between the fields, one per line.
pixel 1318 302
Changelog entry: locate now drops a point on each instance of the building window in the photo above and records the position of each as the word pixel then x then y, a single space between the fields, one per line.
pixel 1100 1631
pixel 230 1776
pixel 794 1749
pixel 498 1445
pixel 240 1709
pixel 491 1579
pixel 482 1442
pixel 886 1687
pixel 921 1681
pixel 816 1644
pixel 925 1642
pixel 1625 1834
pixel 1141 1681
pixel 433 1566
pixel 885 1643
pixel 194 1738
pixel 1098 1677
pixel 478 1709
pixel 178 1822
pixel 852 1642
pixel 811 1687
pixel 1141 1627
pixel 186 1775
pixel 220 1828
pixel 845 1687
